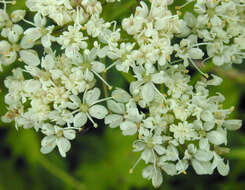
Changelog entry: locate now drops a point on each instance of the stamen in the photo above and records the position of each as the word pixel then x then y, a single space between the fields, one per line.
pixel 75 128
pixel 197 68
pixel 155 88
pixel 109 86
pixel 206 59
pixel 201 44
pixel 27 21
pixel 90 118
pixel 184 172
pixel 180 7
pixel 136 163
pixel 101 100
pixel 110 66
pixel 114 25
pixel 176 61
pixel 75 111
pixel 155 160
pixel 84 94
pixel 77 24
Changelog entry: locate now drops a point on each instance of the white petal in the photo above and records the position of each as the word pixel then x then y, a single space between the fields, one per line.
pixel 202 168
pixel 207 116
pixel 30 37
pixel 190 19
pixel 203 155
pixel 173 153
pixel 32 86
pixel 17 15
pixel 148 172
pixel 48 140
pixel 69 134
pixel 63 145
pixel 121 95
pixel 159 149
pixel 113 120
pixel 182 165
pixel 204 144
pixel 75 99
pixel 138 146
pixel 47 149
pixel 48 129
pixel 48 144
pixel 30 57
pixel 148 92
pixel 157 178
pixel 147 155
pixel 80 119
pixel 92 95
pixel 169 168
pixel 232 124
pixel 158 78
pixel 128 128
pixel 196 53
pixel 98 67
pixel 218 60
pixel 223 169
pixel 216 137
pixel 215 81
pixel 116 107
pixel 98 111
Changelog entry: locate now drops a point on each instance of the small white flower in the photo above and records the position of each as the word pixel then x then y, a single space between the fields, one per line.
pixel 87 108
pixel 56 136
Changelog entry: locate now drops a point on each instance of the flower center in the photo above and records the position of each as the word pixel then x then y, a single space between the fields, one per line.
pixel 84 108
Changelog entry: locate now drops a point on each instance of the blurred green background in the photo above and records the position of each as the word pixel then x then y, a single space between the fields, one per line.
pixel 100 159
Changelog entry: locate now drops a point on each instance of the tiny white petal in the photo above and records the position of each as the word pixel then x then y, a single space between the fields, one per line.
pixel 128 128
pixel 116 107
pixel 69 134
pixel 92 95
pixel 121 95
pixel 232 124
pixel 223 168
pixel 80 119
pixel 63 145
pixel 202 168
pixel 98 111
pixel 30 57
pixel 148 92
pixel 98 66
pixel 113 120
pixel 169 168
pixel 147 155
pixel 203 155
pixel 157 178
pixel 216 137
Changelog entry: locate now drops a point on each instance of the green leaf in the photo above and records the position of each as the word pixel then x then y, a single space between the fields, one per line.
pixel 111 168
pixel 25 143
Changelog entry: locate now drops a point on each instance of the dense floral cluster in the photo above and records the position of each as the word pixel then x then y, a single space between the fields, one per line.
pixel 176 124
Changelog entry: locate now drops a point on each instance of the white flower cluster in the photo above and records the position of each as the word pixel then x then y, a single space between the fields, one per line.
pixel 185 127
pixel 176 124
pixel 56 93
pixel 220 26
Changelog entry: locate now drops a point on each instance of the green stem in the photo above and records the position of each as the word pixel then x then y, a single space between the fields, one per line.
pixel 61 174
